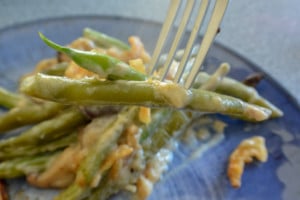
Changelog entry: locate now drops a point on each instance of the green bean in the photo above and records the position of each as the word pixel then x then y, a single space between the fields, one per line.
pixel 82 186
pixel 105 189
pixel 171 122
pixel 73 192
pixel 173 125
pixel 25 165
pixel 57 69
pixel 145 93
pixel 9 99
pixel 176 122
pixel 27 114
pixel 158 117
pixel 104 40
pixel 101 64
pixel 229 86
pixel 67 139
pixel 45 131
pixel 216 78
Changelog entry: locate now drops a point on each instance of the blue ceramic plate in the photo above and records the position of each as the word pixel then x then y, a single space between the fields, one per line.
pixel 200 178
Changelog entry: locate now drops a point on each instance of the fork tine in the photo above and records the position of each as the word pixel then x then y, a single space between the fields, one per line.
pixel 211 31
pixel 174 5
pixel 178 37
pixel 202 10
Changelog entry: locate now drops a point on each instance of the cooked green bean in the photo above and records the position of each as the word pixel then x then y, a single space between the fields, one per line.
pixel 158 117
pixel 171 122
pixel 216 78
pixel 175 122
pixel 105 189
pixel 45 131
pixel 68 104
pixel 108 187
pixel 27 114
pixel 57 69
pixel 146 93
pixel 101 64
pixel 229 86
pixel 9 99
pixel 67 139
pixel 104 40
pixel 82 186
pixel 25 165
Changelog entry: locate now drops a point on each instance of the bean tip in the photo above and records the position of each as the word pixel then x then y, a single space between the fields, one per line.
pixel 258 113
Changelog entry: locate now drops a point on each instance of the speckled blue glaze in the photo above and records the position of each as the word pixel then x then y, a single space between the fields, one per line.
pixel 203 177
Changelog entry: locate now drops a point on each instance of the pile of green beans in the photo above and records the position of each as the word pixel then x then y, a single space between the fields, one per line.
pixel 50 109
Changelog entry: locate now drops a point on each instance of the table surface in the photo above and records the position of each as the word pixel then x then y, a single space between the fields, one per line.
pixel 266 32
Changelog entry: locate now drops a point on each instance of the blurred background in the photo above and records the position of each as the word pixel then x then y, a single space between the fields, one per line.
pixel 265 32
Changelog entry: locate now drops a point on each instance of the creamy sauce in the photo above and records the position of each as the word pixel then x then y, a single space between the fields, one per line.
pixel 213 141
pixel 61 172
pixel 153 172
pixel 258 114
pixel 210 139
pixel 173 94
pixel 205 133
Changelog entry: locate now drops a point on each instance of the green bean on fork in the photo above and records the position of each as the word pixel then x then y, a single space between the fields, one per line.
pixel 101 64
pixel 91 91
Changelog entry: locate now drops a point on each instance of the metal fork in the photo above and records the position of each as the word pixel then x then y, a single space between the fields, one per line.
pixel 212 28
